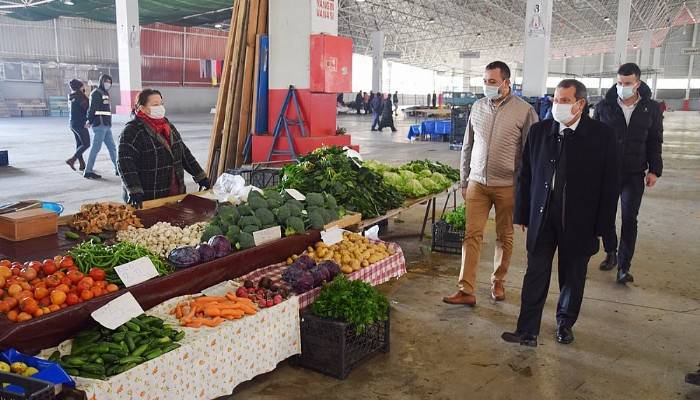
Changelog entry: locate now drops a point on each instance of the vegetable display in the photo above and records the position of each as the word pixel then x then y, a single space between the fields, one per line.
pixel 211 311
pixel 18 368
pixel 162 237
pixel 88 255
pixel 99 353
pixel 354 187
pixel 351 254
pixel 457 218
pixel 354 302
pixel 305 274
pixel 186 256
pixel 265 294
pixel 36 288
pixel 417 178
pixel 99 217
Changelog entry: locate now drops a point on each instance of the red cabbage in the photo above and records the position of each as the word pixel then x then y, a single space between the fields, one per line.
pixel 221 245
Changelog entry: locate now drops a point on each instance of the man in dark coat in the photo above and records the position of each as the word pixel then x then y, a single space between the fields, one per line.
pixel 376 110
pixel 359 101
pixel 638 124
pixel 387 120
pixel 99 116
pixel 434 100
pixel 565 197
pixel 395 99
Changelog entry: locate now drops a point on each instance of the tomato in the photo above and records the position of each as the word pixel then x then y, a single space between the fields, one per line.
pixel 23 316
pixel 86 295
pixel 49 267
pixel 46 301
pixel 97 274
pixel 52 281
pixel 72 298
pixel 46 310
pixel 2 281
pixel 4 307
pixel 24 293
pixel 5 263
pixel 14 289
pixel 58 297
pixel 60 274
pixel 40 293
pixel 74 276
pixel 12 315
pixel 28 305
pixel 101 284
pixel 83 285
pixel 97 291
pixel 15 268
pixel 25 285
pixel 29 273
pixel 67 261
pixel 11 302
pixel 66 281
pixel 63 288
pixel 35 264
pixel 5 271
pixel 54 307
pixel 112 288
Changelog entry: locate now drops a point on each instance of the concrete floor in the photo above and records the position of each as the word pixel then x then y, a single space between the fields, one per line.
pixel 633 342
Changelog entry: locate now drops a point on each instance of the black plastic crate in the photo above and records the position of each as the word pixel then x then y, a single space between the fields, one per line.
pixel 333 348
pixel 446 239
pixel 258 176
pixel 4 158
pixel 34 389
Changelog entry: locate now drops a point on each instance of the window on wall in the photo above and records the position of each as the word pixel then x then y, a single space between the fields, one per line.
pixel 20 72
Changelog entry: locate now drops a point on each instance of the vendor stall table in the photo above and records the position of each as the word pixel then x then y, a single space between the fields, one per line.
pixel 211 361
pixel 376 274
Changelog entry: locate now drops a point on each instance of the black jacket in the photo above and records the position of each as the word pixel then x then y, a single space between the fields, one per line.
pixel 387 118
pixel 640 143
pixel 145 161
pixel 78 108
pixel 590 194
pixel 100 112
pixel 377 104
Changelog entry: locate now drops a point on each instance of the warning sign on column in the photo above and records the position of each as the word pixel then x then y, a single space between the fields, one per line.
pixel 324 16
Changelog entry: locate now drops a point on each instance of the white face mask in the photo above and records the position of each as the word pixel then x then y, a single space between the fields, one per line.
pixel 625 92
pixel 157 112
pixel 562 113
pixel 492 92
pixel 107 85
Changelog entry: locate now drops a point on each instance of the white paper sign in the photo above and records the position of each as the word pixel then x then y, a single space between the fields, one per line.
pixel 372 233
pixel 267 235
pixel 332 236
pixel 296 195
pixel 118 311
pixel 137 271
pixel 220 289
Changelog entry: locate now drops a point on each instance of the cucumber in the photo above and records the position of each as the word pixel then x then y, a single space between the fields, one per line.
pixel 72 371
pixel 125 367
pixel 164 340
pixel 170 347
pixel 70 235
pixel 119 336
pixel 130 342
pixel 179 336
pixel 110 358
pixel 112 370
pixel 93 368
pixel 73 361
pixel 93 357
pixel 84 374
pixel 93 238
pixel 153 354
pixel 139 350
pixel 55 356
pixel 132 326
pixel 131 359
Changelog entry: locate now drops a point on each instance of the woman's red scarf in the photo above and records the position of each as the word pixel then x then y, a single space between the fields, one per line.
pixel 161 126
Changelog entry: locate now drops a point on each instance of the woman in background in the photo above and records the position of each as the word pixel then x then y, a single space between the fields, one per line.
pixel 78 120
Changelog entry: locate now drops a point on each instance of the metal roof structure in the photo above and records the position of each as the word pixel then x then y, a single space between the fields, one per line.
pixel 425 33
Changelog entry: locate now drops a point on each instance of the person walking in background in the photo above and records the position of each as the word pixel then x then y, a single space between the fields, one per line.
pixel 359 101
pixel 637 122
pixel 396 103
pixel 387 120
pixel 365 100
pixel 99 117
pixel 566 194
pixel 79 104
pixel 377 107
pixel 152 155
pixel 434 100
pixel 496 131
pixel 339 99
pixel 427 101
pixel 371 97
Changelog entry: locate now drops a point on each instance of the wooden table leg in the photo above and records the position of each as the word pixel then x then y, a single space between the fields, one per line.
pixel 425 219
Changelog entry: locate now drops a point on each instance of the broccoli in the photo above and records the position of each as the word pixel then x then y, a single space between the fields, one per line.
pixel 295 207
pixel 265 216
pixel 249 220
pixel 283 213
pixel 257 203
pixel 250 229
pixel 245 241
pixel 244 209
pixel 254 194
pixel 326 216
pixel 274 199
pixel 331 203
pixel 294 225
pixel 316 219
pixel 210 231
pixel 228 214
pixel 232 234
pixel 314 200
pixel 334 214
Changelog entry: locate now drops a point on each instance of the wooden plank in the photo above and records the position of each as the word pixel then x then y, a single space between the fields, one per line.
pixel 256 77
pixel 215 139
pixel 350 219
pixel 247 92
pixel 232 94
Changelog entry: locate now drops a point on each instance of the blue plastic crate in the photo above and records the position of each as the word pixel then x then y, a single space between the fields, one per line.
pixel 428 127
pixel 4 158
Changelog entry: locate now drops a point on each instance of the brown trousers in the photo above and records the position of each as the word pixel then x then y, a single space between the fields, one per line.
pixel 480 199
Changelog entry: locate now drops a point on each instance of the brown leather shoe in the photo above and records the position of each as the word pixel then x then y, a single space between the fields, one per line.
pixel 461 298
pixel 498 292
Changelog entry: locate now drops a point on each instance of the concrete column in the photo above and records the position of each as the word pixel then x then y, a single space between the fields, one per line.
pixel 600 78
pixel 563 67
pixel 466 78
pixel 377 60
pixel 538 22
pixel 644 62
pixel 690 63
pixel 623 29
pixel 656 65
pixel 129 49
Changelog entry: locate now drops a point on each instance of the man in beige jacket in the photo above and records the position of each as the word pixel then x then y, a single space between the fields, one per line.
pixel 496 132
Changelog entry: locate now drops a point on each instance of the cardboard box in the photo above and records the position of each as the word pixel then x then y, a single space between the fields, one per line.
pixel 29 224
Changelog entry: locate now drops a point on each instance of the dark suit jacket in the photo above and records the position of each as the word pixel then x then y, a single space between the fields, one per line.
pixel 590 195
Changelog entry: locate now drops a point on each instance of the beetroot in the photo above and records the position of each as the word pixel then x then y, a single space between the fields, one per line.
pixel 206 252
pixel 221 245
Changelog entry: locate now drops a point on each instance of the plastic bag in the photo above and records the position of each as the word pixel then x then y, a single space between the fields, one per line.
pixel 232 188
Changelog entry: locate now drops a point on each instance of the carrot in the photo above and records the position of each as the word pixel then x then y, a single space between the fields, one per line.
pixel 209 299
pixel 231 296
pixel 248 309
pixel 194 324
pixel 211 311
pixel 232 313
pixel 178 311
pixel 244 300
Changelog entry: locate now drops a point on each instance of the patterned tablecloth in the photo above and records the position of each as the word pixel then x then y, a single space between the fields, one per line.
pixel 375 274
pixel 211 361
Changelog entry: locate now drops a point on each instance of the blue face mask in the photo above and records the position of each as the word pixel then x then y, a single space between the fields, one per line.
pixel 625 92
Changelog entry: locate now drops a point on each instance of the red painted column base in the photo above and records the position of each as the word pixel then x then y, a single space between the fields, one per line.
pixel 128 99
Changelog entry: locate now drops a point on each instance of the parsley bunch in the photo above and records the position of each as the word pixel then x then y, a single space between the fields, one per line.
pixel 456 218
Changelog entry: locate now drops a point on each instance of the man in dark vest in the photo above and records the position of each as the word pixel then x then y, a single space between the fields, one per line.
pixel 638 124
pixel 565 198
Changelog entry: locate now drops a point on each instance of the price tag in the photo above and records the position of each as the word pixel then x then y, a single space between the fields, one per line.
pixel 296 195
pixel 267 235
pixel 332 236
pixel 220 289
pixel 118 311
pixel 137 271
pixel 352 153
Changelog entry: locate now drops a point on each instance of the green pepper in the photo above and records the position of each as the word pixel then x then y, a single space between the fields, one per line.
pixel 72 235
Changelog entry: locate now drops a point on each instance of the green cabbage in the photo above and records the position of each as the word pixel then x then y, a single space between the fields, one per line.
pixel 441 180
pixel 393 179
pixel 429 185
pixel 425 173
pixel 414 189
pixel 407 174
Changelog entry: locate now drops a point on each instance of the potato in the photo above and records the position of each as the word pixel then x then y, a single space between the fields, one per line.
pixel 356 265
pixel 346 270
pixel 374 258
pixel 364 263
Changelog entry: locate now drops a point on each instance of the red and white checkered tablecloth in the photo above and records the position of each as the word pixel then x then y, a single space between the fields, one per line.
pixel 382 271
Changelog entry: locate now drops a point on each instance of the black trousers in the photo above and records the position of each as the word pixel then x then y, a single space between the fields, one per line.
pixel 631 192
pixel 82 139
pixel 572 279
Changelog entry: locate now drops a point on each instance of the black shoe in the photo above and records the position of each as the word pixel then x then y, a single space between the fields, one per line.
pixel 374 130
pixel 693 378
pixel 565 335
pixel 610 262
pixel 92 175
pixel 525 339
pixel 624 276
